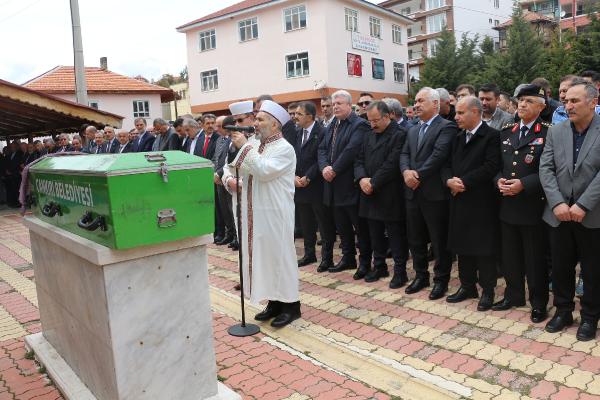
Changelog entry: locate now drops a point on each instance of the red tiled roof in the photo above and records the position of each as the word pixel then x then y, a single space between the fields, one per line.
pixel 530 17
pixel 62 80
pixel 242 5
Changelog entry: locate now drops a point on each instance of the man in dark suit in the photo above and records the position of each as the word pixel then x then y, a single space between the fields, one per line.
pixel 14 160
pixel 473 232
pixel 166 137
pixel 100 147
pixel 569 174
pixel 381 199
pixel 337 152
pixel 524 239
pixel 124 145
pixel 425 152
pixel 112 143
pixel 397 113
pixel 208 141
pixel 309 190
pixel 290 130
pixel 145 139
pixel 63 143
pixel 223 196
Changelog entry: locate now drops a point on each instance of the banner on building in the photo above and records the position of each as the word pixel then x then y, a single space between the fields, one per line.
pixel 354 64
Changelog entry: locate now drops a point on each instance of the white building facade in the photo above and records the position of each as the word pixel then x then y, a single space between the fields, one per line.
pixel 295 51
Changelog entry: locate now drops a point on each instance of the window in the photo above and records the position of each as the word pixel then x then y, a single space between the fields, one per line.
pixel 409 32
pixel 496 3
pixel 208 40
pixel 354 62
pixel 396 34
pixel 378 68
pixel 209 80
pixel 398 72
pixel 411 54
pixel 93 104
pixel 435 23
pixel 490 21
pixel 295 18
pixel 432 47
pixel 405 11
pixel 248 29
pixel 375 27
pixel 297 65
pixel 496 22
pixel 141 109
pixel 431 4
pixel 351 20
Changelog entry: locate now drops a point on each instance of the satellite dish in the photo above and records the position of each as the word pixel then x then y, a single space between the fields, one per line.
pixel 319 85
pixel 563 13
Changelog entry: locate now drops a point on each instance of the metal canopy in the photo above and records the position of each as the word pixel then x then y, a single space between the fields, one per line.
pixel 25 112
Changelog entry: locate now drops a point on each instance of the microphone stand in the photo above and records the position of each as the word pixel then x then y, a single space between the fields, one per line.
pixel 242 329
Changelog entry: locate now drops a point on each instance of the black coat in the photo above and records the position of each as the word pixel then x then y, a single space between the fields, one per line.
pixel 127 149
pixel 521 160
pixel 307 165
pixel 474 223
pixel 378 160
pixel 210 150
pixel 429 159
pixel 170 141
pixel 289 130
pixel 349 139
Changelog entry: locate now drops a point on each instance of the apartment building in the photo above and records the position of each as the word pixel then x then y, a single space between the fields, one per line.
pixel 295 50
pixel 473 17
pixel 572 14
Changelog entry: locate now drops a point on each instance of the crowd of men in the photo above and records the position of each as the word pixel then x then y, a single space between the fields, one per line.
pixel 507 184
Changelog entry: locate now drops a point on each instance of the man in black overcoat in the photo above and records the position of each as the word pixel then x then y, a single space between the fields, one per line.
pixel 473 232
pixel 337 151
pixel 381 199
pixel 423 156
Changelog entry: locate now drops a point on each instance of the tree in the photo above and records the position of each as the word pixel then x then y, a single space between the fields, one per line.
pixel 521 62
pixel 439 68
pixel 183 75
pixel 586 47
pixel 166 80
pixel 558 59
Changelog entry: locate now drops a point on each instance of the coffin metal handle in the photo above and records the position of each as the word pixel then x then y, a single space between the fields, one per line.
pixel 166 218
pixel 51 209
pixel 164 172
pixel 155 157
pixel 89 223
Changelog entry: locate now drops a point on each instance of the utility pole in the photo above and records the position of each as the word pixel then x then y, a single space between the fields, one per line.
pixel 80 83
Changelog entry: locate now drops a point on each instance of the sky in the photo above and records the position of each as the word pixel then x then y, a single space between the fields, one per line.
pixel 137 36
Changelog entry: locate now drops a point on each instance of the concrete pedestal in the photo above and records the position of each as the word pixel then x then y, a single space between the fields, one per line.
pixel 129 324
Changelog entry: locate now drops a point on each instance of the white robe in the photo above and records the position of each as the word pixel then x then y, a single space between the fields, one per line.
pixel 269 262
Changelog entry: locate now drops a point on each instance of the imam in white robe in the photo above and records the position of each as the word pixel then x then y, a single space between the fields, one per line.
pixel 269 262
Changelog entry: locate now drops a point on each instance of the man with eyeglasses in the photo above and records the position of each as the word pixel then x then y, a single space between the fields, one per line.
pixel 63 143
pixel 363 102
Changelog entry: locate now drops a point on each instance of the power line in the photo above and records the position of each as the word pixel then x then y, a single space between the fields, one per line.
pixel 19 11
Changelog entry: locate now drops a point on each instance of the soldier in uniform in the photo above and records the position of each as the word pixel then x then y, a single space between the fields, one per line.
pixel 524 239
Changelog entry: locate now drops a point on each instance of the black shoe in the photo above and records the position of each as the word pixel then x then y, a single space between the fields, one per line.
pixel 325 266
pixel 218 239
pixel 235 245
pixel 559 322
pixel 416 285
pixel 538 315
pixel 361 272
pixel 306 260
pixel 438 291
pixel 343 265
pixel 289 313
pixel 272 309
pixel 462 294
pixel 377 273
pixel 225 240
pixel 398 280
pixel 505 304
pixel 587 330
pixel 486 301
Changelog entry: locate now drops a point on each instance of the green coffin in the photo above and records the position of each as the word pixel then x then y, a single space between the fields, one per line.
pixel 126 200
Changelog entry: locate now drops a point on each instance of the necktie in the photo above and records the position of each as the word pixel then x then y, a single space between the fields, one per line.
pixel 523 133
pixel 304 136
pixel 206 139
pixel 421 134
pixel 335 129
pixel 469 136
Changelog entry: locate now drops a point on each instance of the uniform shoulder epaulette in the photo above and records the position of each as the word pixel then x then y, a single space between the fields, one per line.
pixel 511 125
pixel 546 124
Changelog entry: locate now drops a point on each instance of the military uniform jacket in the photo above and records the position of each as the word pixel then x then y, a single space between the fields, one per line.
pixel 378 160
pixel 521 160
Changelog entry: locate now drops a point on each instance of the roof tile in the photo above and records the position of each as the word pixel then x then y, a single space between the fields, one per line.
pixel 242 5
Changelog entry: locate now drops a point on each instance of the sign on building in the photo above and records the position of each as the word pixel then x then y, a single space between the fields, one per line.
pixel 365 43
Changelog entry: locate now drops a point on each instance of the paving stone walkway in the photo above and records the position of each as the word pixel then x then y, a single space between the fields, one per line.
pixel 454 348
